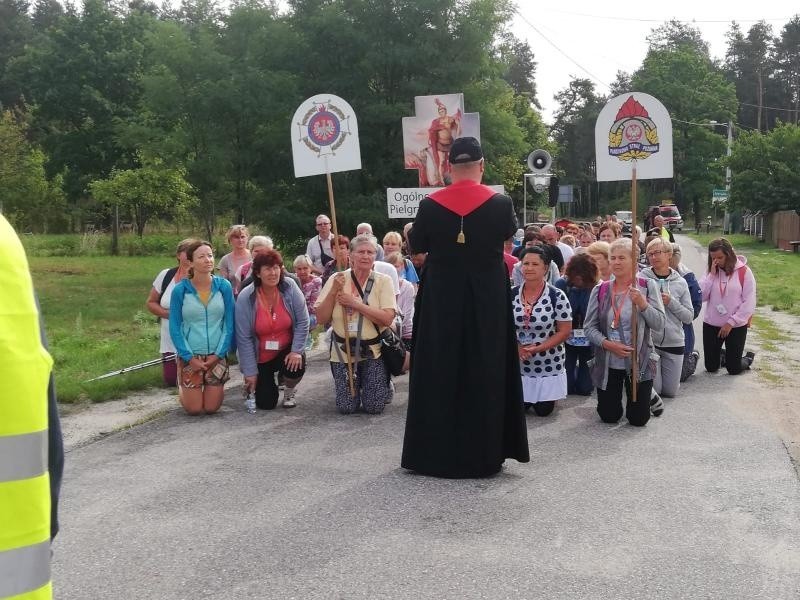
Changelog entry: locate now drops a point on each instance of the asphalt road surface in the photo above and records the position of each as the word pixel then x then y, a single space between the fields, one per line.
pixel 305 503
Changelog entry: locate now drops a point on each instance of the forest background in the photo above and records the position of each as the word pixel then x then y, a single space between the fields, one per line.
pixel 180 116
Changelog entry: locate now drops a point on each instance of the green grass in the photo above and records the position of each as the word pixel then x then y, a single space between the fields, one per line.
pixel 96 322
pixel 776 271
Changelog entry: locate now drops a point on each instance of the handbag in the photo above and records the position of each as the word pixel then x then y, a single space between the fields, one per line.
pixel 393 351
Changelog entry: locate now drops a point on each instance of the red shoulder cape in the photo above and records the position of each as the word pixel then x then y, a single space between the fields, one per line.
pixel 463 197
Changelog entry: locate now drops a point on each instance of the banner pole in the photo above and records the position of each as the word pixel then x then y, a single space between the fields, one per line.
pixel 635 273
pixel 340 267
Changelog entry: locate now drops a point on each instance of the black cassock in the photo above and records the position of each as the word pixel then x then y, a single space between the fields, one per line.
pixel 465 411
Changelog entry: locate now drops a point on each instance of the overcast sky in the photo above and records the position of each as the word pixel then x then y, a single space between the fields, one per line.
pixel 596 39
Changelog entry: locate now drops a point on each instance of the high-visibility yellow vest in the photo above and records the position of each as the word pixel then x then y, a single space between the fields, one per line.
pixel 24 480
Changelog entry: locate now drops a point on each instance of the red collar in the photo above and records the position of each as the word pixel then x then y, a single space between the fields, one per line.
pixel 463 197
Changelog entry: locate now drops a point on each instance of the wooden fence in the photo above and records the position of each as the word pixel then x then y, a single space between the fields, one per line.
pixel 778 228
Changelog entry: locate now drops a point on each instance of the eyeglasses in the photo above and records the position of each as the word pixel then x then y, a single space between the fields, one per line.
pixel 323 223
pixel 655 253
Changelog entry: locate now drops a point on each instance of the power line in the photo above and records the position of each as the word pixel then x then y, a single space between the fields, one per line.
pixel 567 56
pixel 612 18
pixel 769 107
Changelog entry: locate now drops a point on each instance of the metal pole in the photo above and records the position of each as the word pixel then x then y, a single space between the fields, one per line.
pixel 725 221
pixel 524 199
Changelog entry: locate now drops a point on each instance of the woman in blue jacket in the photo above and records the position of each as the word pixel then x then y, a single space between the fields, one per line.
pixel 201 327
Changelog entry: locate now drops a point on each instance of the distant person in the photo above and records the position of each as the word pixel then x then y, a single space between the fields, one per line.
pixel 607 233
pixel 158 304
pixel 393 242
pixel 319 248
pixel 565 251
pixel 258 244
pixel 201 327
pixel 237 238
pixel 612 305
pixel 543 321
pixel 271 331
pixel 465 413
pixel 599 252
pixel 405 299
pixel 690 355
pixel 670 342
pixel 729 293
pixel 658 223
pixel 311 286
pixel 508 258
pixel 366 229
pixel 586 239
pixel 580 277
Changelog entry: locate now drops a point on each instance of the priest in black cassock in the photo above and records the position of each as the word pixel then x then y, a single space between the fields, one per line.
pixel 465 412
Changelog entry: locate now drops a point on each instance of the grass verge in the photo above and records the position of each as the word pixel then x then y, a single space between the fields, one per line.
pixel 96 322
pixel 776 271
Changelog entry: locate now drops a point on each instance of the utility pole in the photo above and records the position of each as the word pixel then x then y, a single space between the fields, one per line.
pixel 725 221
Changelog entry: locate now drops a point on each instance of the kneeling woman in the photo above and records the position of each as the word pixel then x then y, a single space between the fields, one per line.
pixel 543 320
pixel 608 327
pixel 360 303
pixel 271 331
pixel 201 327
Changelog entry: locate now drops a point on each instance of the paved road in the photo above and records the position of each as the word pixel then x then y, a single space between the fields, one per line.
pixel 304 503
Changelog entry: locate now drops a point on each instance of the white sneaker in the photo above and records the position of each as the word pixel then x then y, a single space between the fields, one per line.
pixel 288 398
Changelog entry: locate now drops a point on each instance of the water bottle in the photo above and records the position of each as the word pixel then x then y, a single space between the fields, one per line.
pixel 250 403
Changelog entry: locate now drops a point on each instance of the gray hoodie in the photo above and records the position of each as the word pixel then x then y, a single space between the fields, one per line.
pixel 678 311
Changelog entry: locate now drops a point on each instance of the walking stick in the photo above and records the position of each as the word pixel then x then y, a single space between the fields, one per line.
pixel 635 269
pixel 149 363
pixel 340 267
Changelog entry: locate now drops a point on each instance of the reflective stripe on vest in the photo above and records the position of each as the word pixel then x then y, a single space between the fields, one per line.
pixel 30 455
pixel 24 569
pixel 24 480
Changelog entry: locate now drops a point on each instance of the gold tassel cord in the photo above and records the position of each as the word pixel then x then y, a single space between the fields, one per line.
pixel 460 239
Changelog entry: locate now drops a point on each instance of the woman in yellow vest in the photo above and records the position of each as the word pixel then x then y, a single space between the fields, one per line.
pixel 24 479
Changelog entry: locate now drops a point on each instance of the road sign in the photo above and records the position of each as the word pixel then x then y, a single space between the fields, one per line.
pixel 721 194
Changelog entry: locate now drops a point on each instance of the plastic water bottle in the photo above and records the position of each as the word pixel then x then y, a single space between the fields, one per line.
pixel 250 403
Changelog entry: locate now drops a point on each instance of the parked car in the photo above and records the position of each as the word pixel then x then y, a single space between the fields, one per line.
pixel 626 218
pixel 672 217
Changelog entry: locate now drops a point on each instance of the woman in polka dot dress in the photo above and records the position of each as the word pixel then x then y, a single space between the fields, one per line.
pixel 543 320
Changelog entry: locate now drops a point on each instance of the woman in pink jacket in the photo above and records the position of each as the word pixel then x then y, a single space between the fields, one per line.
pixel 729 295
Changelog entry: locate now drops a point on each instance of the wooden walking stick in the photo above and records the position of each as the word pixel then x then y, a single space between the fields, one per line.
pixel 635 270
pixel 340 266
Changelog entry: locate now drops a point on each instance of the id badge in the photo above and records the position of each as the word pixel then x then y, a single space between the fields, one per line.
pixel 352 327
pixel 613 335
pixel 721 309
pixel 578 333
pixel 271 345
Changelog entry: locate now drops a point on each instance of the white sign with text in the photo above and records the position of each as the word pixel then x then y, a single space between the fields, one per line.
pixel 404 202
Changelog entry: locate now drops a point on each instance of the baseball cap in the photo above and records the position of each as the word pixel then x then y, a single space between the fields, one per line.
pixel 464 150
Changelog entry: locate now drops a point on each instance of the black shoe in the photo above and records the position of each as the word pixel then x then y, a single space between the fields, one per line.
pixel 749 357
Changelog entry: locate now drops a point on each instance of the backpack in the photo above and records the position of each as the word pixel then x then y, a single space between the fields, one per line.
pixel 168 277
pixel 601 294
pixel 742 272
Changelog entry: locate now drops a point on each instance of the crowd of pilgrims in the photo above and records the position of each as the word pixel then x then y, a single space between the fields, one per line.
pixel 574 296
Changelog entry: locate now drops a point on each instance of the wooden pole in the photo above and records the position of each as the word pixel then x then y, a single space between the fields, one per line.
pixel 340 266
pixel 635 274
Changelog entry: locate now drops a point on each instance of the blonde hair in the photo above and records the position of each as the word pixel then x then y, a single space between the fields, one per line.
pixel 568 239
pixel 260 240
pixel 666 246
pixel 236 229
pixel 393 236
pixel 621 243
pixel 394 259
pixel 599 247
pixel 301 260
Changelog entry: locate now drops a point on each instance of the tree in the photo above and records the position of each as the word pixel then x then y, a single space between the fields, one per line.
pixel 787 62
pixel 26 196
pixel 677 35
pixel 519 67
pixel 766 169
pixel 573 131
pixel 694 91
pixel 15 32
pixel 149 191
pixel 82 79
